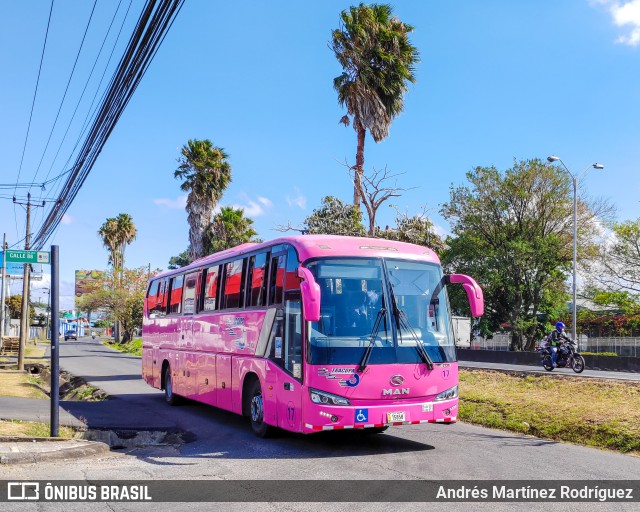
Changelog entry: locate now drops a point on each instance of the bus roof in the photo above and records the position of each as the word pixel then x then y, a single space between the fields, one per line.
pixel 319 246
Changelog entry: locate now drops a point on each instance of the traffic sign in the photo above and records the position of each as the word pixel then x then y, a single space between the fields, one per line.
pixel 13 269
pixel 20 256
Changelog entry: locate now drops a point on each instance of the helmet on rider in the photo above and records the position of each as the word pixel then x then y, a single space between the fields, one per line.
pixel 560 326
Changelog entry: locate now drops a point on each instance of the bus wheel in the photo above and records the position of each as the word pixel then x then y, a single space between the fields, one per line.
pixel 256 411
pixel 170 397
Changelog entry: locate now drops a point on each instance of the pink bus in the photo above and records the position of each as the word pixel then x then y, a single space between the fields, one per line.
pixel 309 333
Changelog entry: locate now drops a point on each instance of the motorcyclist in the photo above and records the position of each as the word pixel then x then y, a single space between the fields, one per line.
pixel 555 339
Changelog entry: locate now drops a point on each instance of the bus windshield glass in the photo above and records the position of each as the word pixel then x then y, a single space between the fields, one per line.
pixel 356 291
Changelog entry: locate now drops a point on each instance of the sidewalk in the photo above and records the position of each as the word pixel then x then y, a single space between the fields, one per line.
pixel 17 450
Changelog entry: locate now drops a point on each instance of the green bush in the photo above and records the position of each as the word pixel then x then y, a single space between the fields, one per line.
pixel 606 354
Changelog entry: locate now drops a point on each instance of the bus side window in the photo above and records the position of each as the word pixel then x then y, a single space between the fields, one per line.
pixel 257 282
pixel 189 295
pixel 233 296
pixel 175 295
pixel 211 288
pixel 276 278
pixel 157 304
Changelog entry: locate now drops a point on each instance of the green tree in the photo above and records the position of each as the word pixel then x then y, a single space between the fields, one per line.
pixel 205 174
pixel 378 61
pixel 513 232
pixel 181 260
pixel 417 229
pixel 618 266
pixel 14 305
pixel 228 229
pixel 121 296
pixel 335 218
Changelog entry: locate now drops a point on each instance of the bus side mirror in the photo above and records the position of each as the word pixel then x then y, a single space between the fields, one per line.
pixel 474 292
pixel 310 291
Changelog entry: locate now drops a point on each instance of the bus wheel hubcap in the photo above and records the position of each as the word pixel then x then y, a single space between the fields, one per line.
pixel 256 409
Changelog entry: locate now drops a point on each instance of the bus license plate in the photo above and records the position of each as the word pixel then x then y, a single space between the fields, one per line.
pixel 393 417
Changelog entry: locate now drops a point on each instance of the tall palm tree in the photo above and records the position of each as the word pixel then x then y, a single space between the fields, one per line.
pixel 206 174
pixel 229 228
pixel 378 59
pixel 108 233
pixel 116 234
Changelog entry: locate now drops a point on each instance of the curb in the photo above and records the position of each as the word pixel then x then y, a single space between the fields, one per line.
pixel 81 448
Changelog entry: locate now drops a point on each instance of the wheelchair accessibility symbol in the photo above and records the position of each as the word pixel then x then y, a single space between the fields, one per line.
pixel 362 415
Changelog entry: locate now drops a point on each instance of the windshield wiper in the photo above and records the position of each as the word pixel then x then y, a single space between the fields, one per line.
pixel 401 318
pixel 372 341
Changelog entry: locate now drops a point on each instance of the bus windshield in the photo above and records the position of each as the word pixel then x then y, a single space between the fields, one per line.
pixel 355 292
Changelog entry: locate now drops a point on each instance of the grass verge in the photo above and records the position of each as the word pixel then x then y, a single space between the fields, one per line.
pixel 133 347
pixel 20 385
pixel 598 413
pixel 32 429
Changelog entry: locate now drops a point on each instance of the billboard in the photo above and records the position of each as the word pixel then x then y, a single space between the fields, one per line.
pixel 86 281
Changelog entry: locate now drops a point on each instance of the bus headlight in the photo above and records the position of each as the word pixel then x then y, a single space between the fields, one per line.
pixel 447 395
pixel 320 397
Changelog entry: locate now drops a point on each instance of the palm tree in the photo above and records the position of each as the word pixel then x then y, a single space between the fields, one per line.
pixel 206 174
pixel 378 60
pixel 108 233
pixel 229 228
pixel 116 234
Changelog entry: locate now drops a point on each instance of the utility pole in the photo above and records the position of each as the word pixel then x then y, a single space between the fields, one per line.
pixel 4 286
pixel 24 317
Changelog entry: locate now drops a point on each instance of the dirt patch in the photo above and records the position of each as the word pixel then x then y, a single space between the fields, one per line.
pixel 71 387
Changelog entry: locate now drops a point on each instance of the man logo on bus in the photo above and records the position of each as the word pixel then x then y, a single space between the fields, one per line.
pixel 397 391
pixel 397 380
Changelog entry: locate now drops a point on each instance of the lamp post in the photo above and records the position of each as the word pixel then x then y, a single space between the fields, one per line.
pixel 574 179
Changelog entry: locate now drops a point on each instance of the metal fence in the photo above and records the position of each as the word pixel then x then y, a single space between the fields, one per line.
pixel 626 346
pixel 621 346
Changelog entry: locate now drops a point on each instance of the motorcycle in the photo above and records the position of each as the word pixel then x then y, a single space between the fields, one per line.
pixel 567 357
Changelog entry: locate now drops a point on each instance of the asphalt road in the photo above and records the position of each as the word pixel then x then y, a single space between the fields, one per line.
pixel 225 449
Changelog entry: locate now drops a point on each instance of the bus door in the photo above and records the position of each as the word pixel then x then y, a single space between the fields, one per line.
pixel 290 390
pixel 188 362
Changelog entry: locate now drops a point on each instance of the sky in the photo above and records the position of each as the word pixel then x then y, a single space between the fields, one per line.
pixel 497 81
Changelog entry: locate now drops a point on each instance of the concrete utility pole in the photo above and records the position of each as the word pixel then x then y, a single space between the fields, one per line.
pixel 24 317
pixel 4 287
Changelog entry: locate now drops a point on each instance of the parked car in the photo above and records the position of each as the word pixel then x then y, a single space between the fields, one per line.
pixel 71 335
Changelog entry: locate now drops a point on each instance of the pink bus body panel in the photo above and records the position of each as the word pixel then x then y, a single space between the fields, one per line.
pixel 211 354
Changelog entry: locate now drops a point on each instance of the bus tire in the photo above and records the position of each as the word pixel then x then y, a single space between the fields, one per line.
pixel 169 396
pixel 256 411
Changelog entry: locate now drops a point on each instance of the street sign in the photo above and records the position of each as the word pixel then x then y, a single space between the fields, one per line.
pixel 20 256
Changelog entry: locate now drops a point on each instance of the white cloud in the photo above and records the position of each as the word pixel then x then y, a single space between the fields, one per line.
pixel 178 203
pixel 66 219
pixel 254 208
pixel 299 200
pixel 624 14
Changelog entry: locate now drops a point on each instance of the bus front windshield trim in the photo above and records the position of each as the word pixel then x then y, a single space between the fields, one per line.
pixel 353 294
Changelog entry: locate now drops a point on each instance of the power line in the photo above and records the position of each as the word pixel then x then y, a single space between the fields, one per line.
pixel 143 45
pixel 66 89
pixel 33 102
pixel 95 63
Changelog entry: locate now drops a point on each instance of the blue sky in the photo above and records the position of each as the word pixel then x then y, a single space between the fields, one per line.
pixel 497 80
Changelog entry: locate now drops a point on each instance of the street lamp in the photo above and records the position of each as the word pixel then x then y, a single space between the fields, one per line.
pixel 574 179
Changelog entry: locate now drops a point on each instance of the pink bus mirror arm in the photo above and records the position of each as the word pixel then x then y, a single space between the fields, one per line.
pixel 474 292
pixel 310 295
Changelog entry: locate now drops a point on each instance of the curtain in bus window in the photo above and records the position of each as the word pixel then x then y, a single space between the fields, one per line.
pixel 176 294
pixel 292 281
pixel 233 285
pixel 211 289
pixel 155 302
pixel 189 295
pixel 276 279
pixel 259 267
